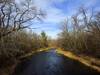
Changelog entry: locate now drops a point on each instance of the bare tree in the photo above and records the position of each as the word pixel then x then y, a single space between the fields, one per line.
pixel 14 16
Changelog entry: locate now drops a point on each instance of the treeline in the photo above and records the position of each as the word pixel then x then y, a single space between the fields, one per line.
pixel 81 33
pixel 15 39
pixel 18 44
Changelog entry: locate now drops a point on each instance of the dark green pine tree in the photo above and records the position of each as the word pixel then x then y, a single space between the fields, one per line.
pixel 44 41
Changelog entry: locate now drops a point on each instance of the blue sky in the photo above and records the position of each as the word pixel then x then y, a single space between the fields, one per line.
pixel 59 10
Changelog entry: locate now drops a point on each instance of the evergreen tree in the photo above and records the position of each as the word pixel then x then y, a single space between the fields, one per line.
pixel 44 41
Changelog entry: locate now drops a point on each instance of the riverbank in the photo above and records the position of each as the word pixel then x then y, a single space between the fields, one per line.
pixel 86 60
pixel 51 63
pixel 33 52
pixel 8 70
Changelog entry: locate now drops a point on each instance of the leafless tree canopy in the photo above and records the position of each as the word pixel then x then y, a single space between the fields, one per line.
pixel 84 35
pixel 14 16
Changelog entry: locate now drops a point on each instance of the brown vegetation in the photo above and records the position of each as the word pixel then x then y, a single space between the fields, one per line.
pixel 15 40
pixel 84 34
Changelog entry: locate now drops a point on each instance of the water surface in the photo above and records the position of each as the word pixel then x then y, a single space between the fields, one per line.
pixel 51 63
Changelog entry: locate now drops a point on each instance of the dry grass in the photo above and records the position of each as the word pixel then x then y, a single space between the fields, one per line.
pixel 33 52
pixel 86 61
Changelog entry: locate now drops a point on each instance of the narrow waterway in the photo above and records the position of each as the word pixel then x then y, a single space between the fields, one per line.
pixel 51 63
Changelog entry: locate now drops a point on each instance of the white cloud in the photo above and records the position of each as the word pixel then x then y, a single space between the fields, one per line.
pixel 53 14
pixel 91 3
pixel 46 3
pixel 53 18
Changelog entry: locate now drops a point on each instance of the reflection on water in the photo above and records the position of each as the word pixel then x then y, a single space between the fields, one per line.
pixel 51 63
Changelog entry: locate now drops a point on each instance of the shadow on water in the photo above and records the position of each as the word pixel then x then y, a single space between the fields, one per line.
pixel 51 63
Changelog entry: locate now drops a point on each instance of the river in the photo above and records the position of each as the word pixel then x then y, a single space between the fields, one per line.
pixel 51 63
